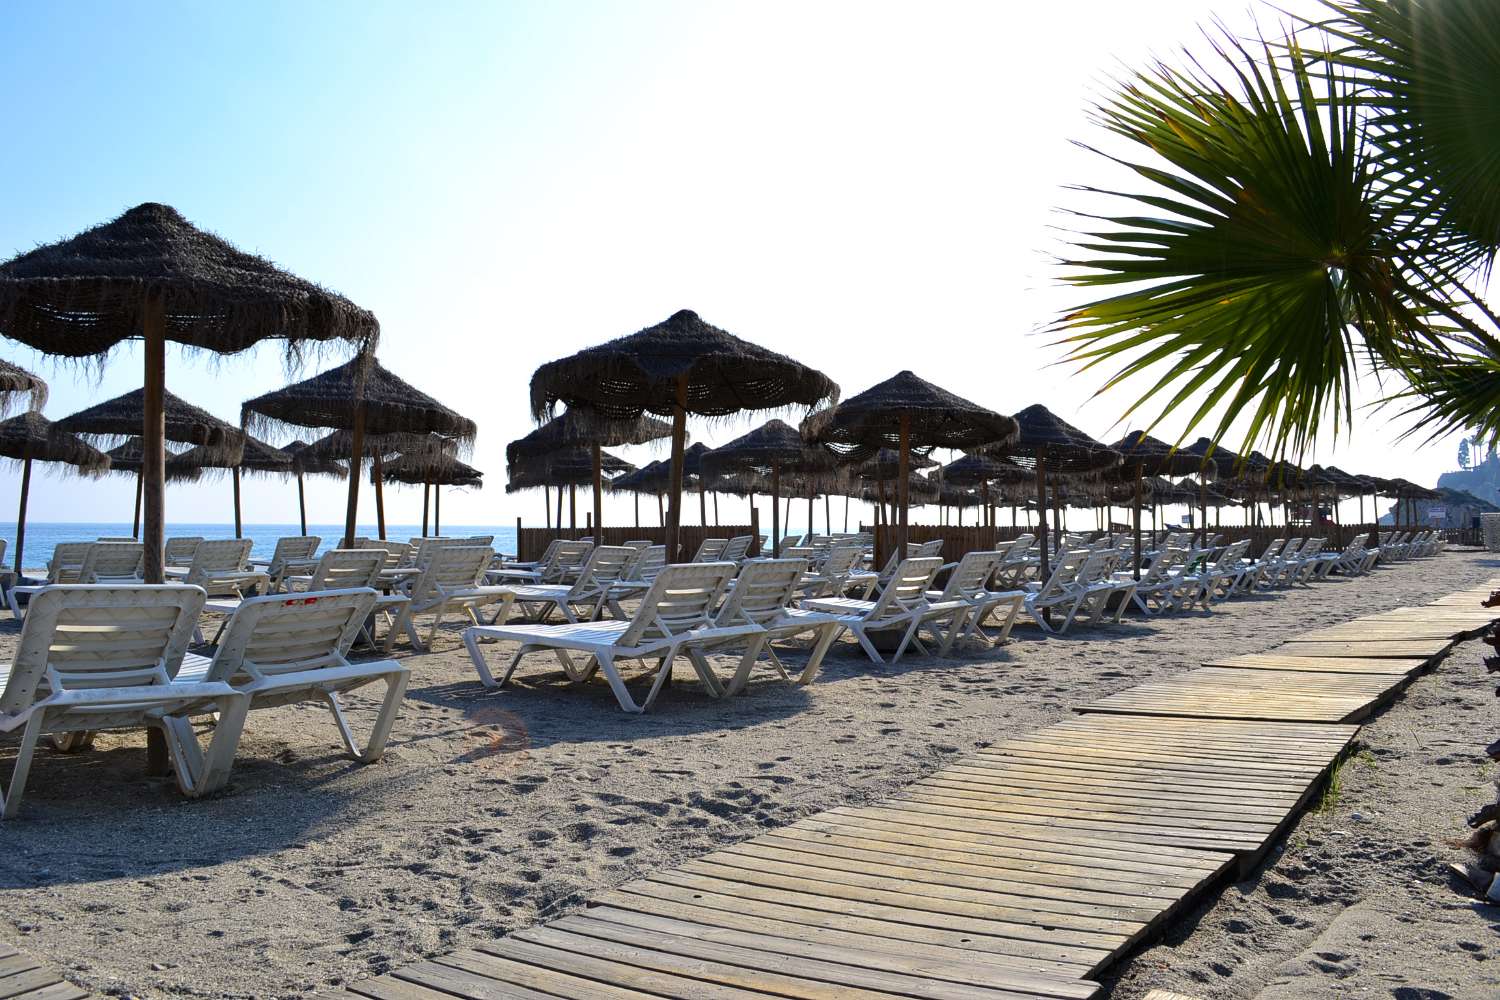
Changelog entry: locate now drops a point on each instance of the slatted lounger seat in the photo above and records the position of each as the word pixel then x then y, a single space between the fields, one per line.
pixel 676 612
pixel 94 657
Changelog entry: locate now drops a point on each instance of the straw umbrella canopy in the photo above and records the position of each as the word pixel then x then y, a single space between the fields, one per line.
pixel 580 426
pixel 129 458
pixel 909 414
pixel 983 473
pixel 653 479
pixel 772 449
pixel 17 382
pixel 309 464
pixel 679 366
pixel 256 456
pixel 364 398
pixel 152 274
pixel 1145 456
pixel 1051 445
pixel 31 437
pixel 435 470
pixel 571 467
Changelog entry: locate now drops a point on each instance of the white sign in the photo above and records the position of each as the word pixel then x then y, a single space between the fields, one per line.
pixel 1437 513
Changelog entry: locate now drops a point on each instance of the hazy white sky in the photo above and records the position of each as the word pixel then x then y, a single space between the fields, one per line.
pixel 864 186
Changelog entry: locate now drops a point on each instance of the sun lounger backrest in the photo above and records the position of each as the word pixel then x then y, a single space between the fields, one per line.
pixel 972 574
pixel 452 567
pixel 710 549
pixel 179 551
pixel 761 592
pixel 606 564
pixel 930 548
pixel 112 561
pixel 841 560
pixel 1273 549
pixel 83 636
pixel 67 560
pixel 907 588
pixel 681 598
pixel 1064 572
pixel 284 633
pixel 569 557
pixel 293 548
pixel 1291 548
pixel 485 540
pixel 736 548
pixel 344 569
pixel 549 551
pixel 219 555
pixel 639 543
pixel 650 563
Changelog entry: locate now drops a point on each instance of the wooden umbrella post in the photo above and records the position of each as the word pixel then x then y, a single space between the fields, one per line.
pixel 1041 515
pixel 573 508
pixel 437 508
pixel 598 494
pixel 426 513
pixel 902 488
pixel 1203 513
pixel 302 504
pixel 1140 475
pixel 679 437
pixel 637 509
pixel 559 509
pixel 377 470
pixel 135 531
pixel 702 502
pixel 716 508
pixel 356 465
pixel 21 515
pixel 661 513
pixel 809 508
pixel 234 474
pixel 776 509
pixel 154 434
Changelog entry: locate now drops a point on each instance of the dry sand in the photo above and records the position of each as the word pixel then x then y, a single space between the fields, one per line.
pixel 494 810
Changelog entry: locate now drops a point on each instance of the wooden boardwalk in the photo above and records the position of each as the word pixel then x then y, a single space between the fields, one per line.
pixel 23 978
pixel 1017 872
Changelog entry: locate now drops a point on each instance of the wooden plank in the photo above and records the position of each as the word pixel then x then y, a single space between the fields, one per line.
pixel 1320 664
pixel 1364 650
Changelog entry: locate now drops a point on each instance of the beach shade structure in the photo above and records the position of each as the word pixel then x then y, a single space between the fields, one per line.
pixel 566 467
pixel 151 274
pixel 1051 446
pixel 772 450
pixel 255 457
pixel 1403 490
pixel 1143 455
pixel 130 458
pixel 364 398
pixel 583 427
pixel 307 464
pixel 984 474
pixel 31 437
pixel 378 448
pixel 652 479
pixel 680 366
pixel 911 415
pixel 431 470
pixel 17 385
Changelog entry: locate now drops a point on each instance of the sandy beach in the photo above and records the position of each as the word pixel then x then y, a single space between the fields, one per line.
pixel 493 810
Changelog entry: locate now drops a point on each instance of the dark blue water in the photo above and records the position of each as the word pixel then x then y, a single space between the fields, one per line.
pixel 42 536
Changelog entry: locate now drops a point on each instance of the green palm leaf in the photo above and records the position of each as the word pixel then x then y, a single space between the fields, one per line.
pixel 1429 75
pixel 1266 258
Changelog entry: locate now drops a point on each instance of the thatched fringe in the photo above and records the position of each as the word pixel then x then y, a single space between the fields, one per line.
pixel 32 436
pixel 115 420
pixel 861 425
pixel 16 381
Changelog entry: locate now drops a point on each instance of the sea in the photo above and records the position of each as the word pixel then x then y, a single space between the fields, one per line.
pixel 41 536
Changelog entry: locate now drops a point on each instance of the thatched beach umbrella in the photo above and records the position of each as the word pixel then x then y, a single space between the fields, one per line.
pixel 911 415
pixel 363 398
pixel 1052 446
pixel 653 479
pixel 582 427
pixel 677 367
pixel 1145 456
pixel 31 437
pixel 571 467
pixel 771 450
pixel 16 383
pixel 339 445
pixel 256 456
pixel 983 473
pixel 152 274
pixel 130 458
pixel 309 464
pixel 431 469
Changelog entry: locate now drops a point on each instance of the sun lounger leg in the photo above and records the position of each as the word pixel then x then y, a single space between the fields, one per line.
pixel 622 694
pixel 11 797
pixel 827 634
pixel 471 640
pixel 395 690
pixel 864 641
pixel 910 637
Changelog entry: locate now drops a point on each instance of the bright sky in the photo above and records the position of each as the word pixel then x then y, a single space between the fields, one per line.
pixel 866 187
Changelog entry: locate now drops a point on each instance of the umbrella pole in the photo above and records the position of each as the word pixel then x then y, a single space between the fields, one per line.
pixel 437 508
pixel 809 510
pixel 21 515
pixel 716 509
pixel 846 513
pixel 598 495
pixel 661 514
pixel 637 510
pixel 702 501
pixel 827 514
pixel 302 505
pixel 1044 573
pixel 427 514
pixel 234 474
pixel 135 531
pixel 559 510
pixel 679 436
pixel 776 509
pixel 902 488
pixel 573 507
pixel 1140 473
pixel 1203 513
pixel 356 464
pixel 154 438
pixel 377 468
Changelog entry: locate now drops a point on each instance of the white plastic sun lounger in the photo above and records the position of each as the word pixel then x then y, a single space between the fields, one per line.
pixel 293 554
pixel 448 583
pixel 96 657
pixel 675 612
pixel 902 606
pixel 584 597
pixel 281 650
pixel 762 596
pixel 967 585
